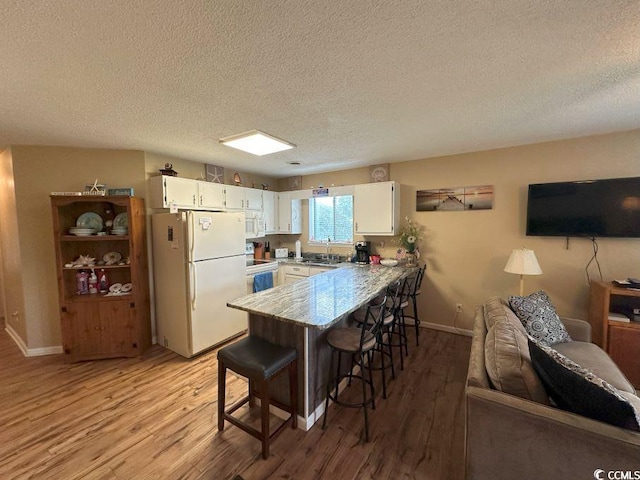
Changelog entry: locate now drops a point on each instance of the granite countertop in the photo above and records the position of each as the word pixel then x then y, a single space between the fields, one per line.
pixel 321 300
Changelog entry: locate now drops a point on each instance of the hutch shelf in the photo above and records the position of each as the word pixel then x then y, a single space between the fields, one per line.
pixel 106 324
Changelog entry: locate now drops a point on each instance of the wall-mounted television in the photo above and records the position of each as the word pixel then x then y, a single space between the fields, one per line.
pixel 587 208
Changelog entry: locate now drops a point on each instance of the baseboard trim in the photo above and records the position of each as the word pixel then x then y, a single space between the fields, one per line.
pixel 31 352
pixel 447 328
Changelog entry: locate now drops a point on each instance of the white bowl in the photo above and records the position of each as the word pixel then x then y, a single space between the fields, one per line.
pixel 388 262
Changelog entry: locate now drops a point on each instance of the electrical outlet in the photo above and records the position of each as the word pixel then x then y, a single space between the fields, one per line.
pixel 458 307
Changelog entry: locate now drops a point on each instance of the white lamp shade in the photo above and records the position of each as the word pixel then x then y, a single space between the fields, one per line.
pixel 523 262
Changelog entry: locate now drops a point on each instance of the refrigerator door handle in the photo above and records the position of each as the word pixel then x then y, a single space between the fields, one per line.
pixel 194 286
pixel 191 228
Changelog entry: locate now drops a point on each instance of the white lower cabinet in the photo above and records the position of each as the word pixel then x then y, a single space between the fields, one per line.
pixel 313 270
pixel 290 273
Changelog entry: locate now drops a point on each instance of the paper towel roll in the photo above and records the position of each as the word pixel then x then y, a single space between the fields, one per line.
pixel 298 252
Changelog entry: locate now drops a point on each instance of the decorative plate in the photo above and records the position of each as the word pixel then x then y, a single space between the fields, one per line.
pixel 111 258
pixel 90 220
pixel 121 221
pixel 115 288
pixel 127 287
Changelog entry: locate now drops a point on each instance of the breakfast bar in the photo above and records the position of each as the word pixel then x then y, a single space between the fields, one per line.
pixel 299 315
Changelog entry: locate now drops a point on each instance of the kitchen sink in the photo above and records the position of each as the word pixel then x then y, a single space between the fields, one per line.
pixel 322 261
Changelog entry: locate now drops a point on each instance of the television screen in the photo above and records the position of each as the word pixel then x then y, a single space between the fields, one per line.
pixel 589 208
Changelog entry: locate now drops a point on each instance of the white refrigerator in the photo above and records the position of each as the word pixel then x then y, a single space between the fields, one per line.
pixel 199 265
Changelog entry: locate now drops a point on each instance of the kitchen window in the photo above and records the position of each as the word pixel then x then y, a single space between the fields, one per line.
pixel 331 218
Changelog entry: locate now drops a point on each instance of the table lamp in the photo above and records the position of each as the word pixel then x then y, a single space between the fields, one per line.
pixel 523 262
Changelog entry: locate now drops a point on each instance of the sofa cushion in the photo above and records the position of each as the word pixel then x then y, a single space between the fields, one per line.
pixel 537 314
pixel 580 391
pixel 508 363
pixel 593 358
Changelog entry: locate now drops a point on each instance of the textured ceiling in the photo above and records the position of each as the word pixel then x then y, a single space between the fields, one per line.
pixel 351 83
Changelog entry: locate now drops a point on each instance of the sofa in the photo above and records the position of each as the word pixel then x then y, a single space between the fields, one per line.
pixel 513 430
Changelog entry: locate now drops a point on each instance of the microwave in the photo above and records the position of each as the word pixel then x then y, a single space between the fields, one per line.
pixel 254 224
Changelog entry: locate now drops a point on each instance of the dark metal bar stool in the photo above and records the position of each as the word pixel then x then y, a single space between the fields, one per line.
pixel 412 294
pixel 259 361
pixel 359 343
pixel 397 336
pixel 386 333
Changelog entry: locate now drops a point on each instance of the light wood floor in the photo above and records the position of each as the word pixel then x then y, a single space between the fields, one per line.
pixel 155 417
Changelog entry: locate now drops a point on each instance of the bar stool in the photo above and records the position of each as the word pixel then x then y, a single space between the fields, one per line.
pixel 386 333
pixel 398 332
pixel 412 294
pixel 259 361
pixel 358 342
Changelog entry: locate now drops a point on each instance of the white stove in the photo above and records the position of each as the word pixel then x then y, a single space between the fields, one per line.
pixel 256 265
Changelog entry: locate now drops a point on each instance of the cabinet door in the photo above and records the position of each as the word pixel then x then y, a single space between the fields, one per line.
pixel 211 195
pixel 317 270
pixel 288 278
pixel 296 216
pixel 289 214
pixel 234 197
pixel 99 329
pixel 269 207
pixel 253 199
pixel 374 209
pixel 182 192
pixel 284 213
pixel 624 345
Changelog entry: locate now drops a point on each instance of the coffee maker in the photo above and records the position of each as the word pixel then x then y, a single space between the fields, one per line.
pixel 362 253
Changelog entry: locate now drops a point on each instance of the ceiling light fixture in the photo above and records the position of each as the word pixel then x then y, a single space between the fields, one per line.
pixel 256 142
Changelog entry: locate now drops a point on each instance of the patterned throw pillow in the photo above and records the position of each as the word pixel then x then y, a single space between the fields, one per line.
pixel 580 391
pixel 539 318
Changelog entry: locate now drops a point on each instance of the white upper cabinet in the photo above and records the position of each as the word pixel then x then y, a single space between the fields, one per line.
pixel 166 191
pixel 253 199
pixel 242 198
pixel 211 195
pixel 270 209
pixel 289 214
pixel 376 208
pixel 234 197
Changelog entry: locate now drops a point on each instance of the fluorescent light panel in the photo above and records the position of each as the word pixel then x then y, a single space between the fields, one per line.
pixel 256 142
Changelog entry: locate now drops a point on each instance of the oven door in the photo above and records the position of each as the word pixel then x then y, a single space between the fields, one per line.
pixel 254 224
pixel 250 280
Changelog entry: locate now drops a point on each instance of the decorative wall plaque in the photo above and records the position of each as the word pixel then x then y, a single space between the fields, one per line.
pixel 294 183
pixel 214 173
pixel 379 173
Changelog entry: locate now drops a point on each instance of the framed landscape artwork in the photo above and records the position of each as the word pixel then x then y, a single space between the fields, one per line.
pixel 455 199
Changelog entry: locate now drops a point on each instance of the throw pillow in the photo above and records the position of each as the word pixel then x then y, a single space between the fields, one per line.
pixel 580 391
pixel 539 318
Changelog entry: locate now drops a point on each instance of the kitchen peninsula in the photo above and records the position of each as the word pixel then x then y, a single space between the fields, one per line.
pixel 299 315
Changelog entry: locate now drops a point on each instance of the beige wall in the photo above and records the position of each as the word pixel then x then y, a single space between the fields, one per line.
pixel 11 251
pixel 466 251
pixel 196 170
pixel 37 172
